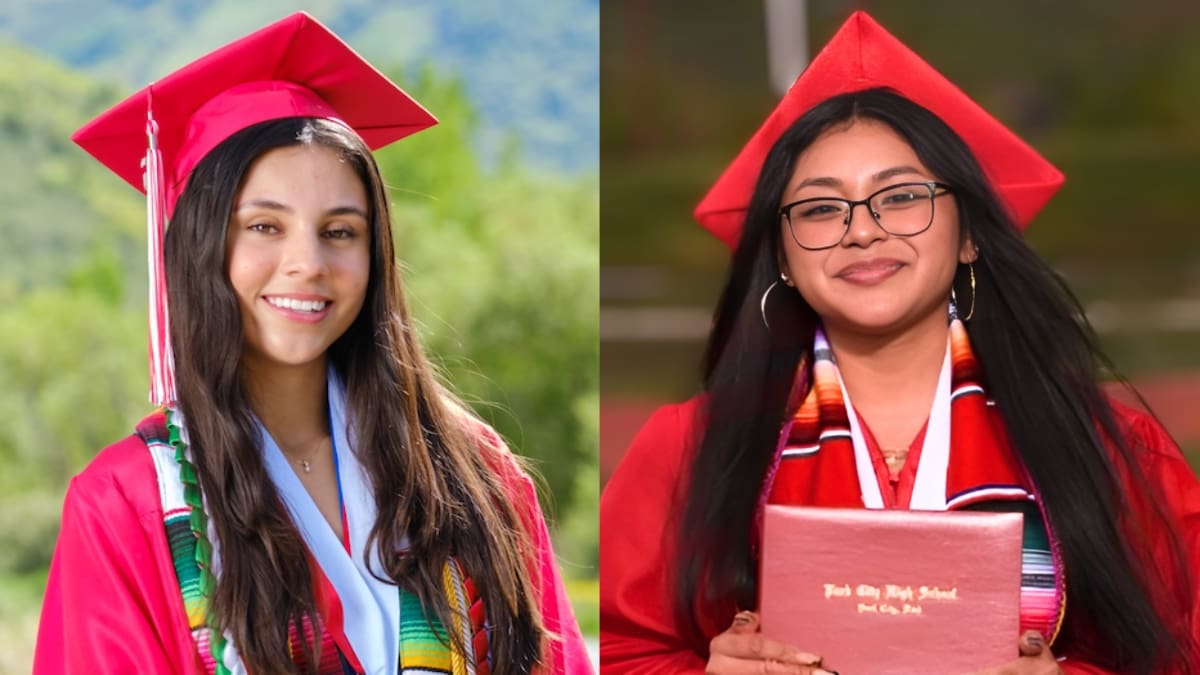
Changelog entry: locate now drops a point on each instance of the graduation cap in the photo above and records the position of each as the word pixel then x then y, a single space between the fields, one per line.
pixel 295 67
pixel 862 55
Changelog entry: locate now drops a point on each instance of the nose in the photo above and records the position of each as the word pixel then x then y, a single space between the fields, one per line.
pixel 303 255
pixel 862 231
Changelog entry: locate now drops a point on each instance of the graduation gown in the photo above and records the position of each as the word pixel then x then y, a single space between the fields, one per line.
pixel 638 632
pixel 113 602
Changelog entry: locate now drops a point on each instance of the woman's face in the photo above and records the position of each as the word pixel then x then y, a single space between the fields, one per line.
pixel 299 254
pixel 871 281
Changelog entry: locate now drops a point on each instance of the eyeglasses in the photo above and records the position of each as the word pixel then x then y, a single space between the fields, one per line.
pixel 902 210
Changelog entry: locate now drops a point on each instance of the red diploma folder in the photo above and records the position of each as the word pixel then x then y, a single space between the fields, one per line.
pixel 877 592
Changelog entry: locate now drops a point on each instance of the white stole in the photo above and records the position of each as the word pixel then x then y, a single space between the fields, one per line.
pixel 929 488
pixel 370 607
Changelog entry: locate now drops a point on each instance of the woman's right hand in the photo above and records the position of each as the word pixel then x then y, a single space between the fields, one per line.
pixel 742 649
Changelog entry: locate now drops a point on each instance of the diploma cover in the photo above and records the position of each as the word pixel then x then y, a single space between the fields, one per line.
pixel 877 592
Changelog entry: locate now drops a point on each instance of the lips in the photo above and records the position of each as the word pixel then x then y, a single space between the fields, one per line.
pixel 869 272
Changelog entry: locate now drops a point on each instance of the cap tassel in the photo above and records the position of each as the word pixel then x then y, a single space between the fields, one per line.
pixel 162 359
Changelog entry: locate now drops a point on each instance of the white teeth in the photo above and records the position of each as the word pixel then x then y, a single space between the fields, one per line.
pixel 298 305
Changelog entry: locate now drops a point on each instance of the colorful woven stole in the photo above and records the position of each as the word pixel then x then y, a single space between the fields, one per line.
pixel 816 465
pixel 424 641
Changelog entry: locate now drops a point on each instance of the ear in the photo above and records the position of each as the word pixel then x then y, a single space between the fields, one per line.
pixel 781 263
pixel 968 252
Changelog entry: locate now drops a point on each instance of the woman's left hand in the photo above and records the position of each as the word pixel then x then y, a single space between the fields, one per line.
pixel 1035 658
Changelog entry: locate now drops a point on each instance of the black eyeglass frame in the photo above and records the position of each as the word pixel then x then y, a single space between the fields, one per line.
pixel 932 185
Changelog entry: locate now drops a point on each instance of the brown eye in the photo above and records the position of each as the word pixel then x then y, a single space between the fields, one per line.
pixel 341 233
pixel 819 210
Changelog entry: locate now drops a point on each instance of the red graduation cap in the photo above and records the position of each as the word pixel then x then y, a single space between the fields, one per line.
pixel 295 67
pixel 862 55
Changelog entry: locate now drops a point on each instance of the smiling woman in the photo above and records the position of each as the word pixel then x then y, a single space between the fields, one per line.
pixel 914 353
pixel 309 498
pixel 299 253
pixel 883 277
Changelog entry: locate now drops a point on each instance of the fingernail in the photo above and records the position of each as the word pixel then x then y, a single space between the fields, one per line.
pixel 821 671
pixel 1035 641
pixel 806 659
pixel 742 618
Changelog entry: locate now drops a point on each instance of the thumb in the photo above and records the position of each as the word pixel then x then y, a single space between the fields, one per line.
pixel 745 623
pixel 1033 644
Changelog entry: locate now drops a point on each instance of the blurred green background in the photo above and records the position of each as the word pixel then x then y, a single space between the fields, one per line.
pixel 496 216
pixel 1106 90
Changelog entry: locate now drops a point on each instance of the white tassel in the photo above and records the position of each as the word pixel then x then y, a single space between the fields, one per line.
pixel 162 360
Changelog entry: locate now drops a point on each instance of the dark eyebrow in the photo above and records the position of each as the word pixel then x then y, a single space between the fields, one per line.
pixel 897 171
pixel 822 181
pixel 264 204
pixel 347 211
pixel 273 205
pixel 826 181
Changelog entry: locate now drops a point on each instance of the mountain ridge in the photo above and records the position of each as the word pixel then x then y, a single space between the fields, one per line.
pixel 531 68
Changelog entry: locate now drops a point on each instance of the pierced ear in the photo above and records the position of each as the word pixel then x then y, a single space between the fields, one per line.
pixel 968 252
pixel 781 262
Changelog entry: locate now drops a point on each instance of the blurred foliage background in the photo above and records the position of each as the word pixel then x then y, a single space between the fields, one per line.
pixel 1106 90
pixel 496 219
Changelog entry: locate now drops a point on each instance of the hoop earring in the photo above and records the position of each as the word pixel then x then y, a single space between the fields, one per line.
pixel 971 312
pixel 762 304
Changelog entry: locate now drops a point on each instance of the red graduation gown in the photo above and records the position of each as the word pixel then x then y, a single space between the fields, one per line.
pixel 638 633
pixel 113 605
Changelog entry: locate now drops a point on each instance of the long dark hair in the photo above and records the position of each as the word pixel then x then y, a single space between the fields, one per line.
pixel 435 485
pixel 1042 366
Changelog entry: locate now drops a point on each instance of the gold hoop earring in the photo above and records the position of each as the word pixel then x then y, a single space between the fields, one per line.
pixel 762 303
pixel 971 312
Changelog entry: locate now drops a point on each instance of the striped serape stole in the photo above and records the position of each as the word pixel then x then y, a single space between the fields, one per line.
pixel 816 465
pixel 1043 592
pixel 425 645
pixel 184 523
pixel 424 641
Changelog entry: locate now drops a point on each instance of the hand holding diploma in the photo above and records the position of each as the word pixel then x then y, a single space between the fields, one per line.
pixel 1035 659
pixel 743 649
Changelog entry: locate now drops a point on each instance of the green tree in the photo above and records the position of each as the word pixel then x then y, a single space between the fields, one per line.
pixel 503 272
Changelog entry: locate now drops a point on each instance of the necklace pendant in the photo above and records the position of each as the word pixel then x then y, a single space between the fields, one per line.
pixel 307 466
